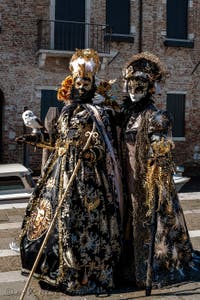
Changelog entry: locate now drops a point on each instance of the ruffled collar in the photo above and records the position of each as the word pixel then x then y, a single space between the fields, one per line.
pixel 130 106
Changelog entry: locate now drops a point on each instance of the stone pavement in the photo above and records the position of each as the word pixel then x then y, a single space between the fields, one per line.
pixel 12 283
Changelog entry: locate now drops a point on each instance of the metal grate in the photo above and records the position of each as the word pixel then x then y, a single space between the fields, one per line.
pixel 68 35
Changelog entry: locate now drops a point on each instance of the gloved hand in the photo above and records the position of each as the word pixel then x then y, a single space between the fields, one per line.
pixel 27 138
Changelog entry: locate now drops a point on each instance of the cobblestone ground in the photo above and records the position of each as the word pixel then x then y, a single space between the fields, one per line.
pixel 12 283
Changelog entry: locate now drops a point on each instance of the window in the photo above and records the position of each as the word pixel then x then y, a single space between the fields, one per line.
pixel 177 24
pixel 69 24
pixel 176 108
pixel 118 18
pixel 49 99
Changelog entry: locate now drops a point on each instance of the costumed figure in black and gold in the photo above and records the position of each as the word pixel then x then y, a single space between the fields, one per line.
pixel 84 245
pixel 157 246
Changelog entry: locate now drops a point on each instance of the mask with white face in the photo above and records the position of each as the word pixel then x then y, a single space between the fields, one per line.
pixel 136 97
pixel 137 88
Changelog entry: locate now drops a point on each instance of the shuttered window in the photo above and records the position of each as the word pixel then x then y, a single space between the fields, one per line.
pixel 176 108
pixel 177 24
pixel 118 18
pixel 49 99
pixel 177 19
pixel 118 15
pixel 70 34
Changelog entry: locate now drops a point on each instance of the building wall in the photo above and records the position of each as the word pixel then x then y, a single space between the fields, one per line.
pixel 22 78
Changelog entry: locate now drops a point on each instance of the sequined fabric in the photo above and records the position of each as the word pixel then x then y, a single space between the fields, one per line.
pixel 84 246
pixel 147 160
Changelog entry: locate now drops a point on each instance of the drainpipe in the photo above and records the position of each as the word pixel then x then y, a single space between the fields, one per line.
pixel 140 25
pixel 25 149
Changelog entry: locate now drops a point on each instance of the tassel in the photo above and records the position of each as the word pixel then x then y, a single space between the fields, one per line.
pixel 125 87
pixel 85 278
pixel 44 267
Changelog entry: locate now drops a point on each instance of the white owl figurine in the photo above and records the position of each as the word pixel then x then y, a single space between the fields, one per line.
pixel 30 120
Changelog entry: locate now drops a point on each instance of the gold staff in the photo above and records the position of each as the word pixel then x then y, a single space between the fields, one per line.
pixel 55 216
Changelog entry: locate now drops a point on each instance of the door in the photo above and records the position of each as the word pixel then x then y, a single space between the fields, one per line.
pixel 49 99
pixel 69 30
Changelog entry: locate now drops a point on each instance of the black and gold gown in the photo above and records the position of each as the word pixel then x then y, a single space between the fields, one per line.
pixel 84 245
pixel 148 179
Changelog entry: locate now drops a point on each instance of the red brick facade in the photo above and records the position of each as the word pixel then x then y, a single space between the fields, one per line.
pixel 24 72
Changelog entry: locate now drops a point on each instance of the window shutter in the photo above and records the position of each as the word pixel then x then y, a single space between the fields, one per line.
pixel 177 19
pixel 69 35
pixel 176 108
pixel 49 99
pixel 118 16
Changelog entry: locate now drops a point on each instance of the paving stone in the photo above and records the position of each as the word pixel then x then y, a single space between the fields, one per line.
pixel 12 282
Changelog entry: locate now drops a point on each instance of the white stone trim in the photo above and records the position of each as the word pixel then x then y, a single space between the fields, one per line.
pixel 7 252
pixel 13 205
pixel 190 36
pixel 190 3
pixel 177 92
pixel 6 226
pixel 194 233
pixel 179 139
pixel 132 29
pixel 38 90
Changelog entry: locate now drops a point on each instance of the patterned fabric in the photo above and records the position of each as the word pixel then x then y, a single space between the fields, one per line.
pixel 84 245
pixel 147 160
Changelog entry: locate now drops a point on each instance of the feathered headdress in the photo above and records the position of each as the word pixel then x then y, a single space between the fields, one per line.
pixel 145 63
pixel 84 63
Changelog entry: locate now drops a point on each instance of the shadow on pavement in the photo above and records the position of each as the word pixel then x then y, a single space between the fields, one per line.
pixel 193 185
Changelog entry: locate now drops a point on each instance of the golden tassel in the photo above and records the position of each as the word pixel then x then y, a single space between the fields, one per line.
pixel 85 278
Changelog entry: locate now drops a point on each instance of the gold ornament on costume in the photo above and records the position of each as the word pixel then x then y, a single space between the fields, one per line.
pixel 104 87
pixel 40 220
pixel 64 92
pixel 91 205
pixel 160 176
pixel 146 63
pixel 84 63
pixel 50 183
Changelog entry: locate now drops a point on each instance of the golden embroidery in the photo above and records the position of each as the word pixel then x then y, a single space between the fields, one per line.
pixel 91 205
pixel 159 176
pixel 50 183
pixel 60 229
pixel 40 220
pixel 62 151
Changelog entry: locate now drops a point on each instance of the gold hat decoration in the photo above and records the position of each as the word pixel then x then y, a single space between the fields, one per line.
pixel 84 63
pixel 147 63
